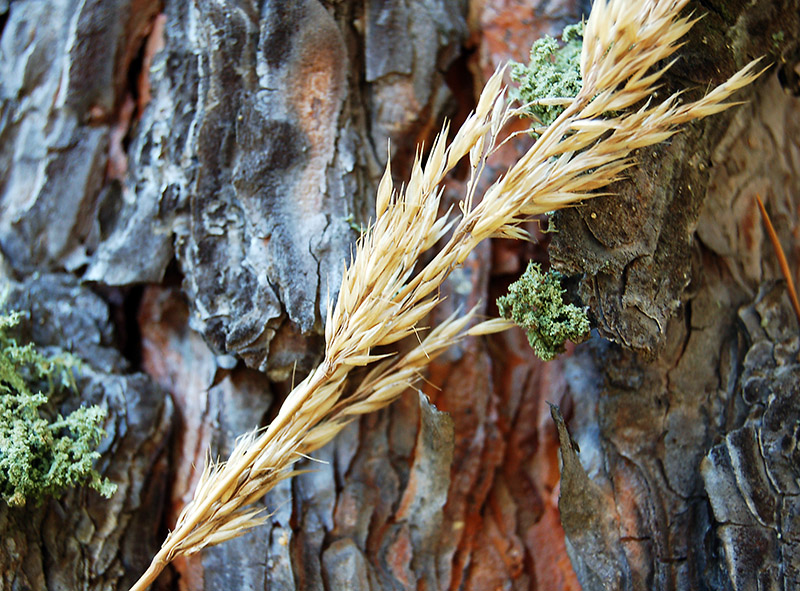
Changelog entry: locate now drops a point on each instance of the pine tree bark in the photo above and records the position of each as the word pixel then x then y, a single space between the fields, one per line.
pixel 181 185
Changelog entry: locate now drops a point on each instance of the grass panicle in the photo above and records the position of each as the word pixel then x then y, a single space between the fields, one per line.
pixel 387 291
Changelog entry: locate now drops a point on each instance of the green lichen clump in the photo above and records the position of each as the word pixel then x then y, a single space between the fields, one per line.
pixel 554 71
pixel 536 303
pixel 41 457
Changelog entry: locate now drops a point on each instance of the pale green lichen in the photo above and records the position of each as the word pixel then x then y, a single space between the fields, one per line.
pixel 536 303
pixel 553 72
pixel 41 452
pixel 355 227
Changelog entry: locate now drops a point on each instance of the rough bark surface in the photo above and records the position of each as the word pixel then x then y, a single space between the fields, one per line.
pixel 83 541
pixel 180 185
pixel 673 401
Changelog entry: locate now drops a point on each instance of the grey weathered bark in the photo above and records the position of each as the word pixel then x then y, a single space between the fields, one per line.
pixel 230 146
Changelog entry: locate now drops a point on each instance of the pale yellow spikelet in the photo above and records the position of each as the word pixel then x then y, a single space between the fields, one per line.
pixel 321 435
pixel 436 166
pixel 713 102
pixel 512 232
pixel 492 91
pixel 385 188
pixel 492 326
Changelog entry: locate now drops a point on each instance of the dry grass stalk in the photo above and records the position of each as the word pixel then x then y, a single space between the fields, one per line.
pixel 782 262
pixel 384 294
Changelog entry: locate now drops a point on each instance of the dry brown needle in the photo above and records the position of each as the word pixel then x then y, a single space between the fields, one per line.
pixel 782 262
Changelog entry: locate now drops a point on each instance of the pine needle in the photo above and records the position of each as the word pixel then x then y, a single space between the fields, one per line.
pixel 782 262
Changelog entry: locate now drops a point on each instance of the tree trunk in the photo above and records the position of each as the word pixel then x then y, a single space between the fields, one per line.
pixel 181 185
